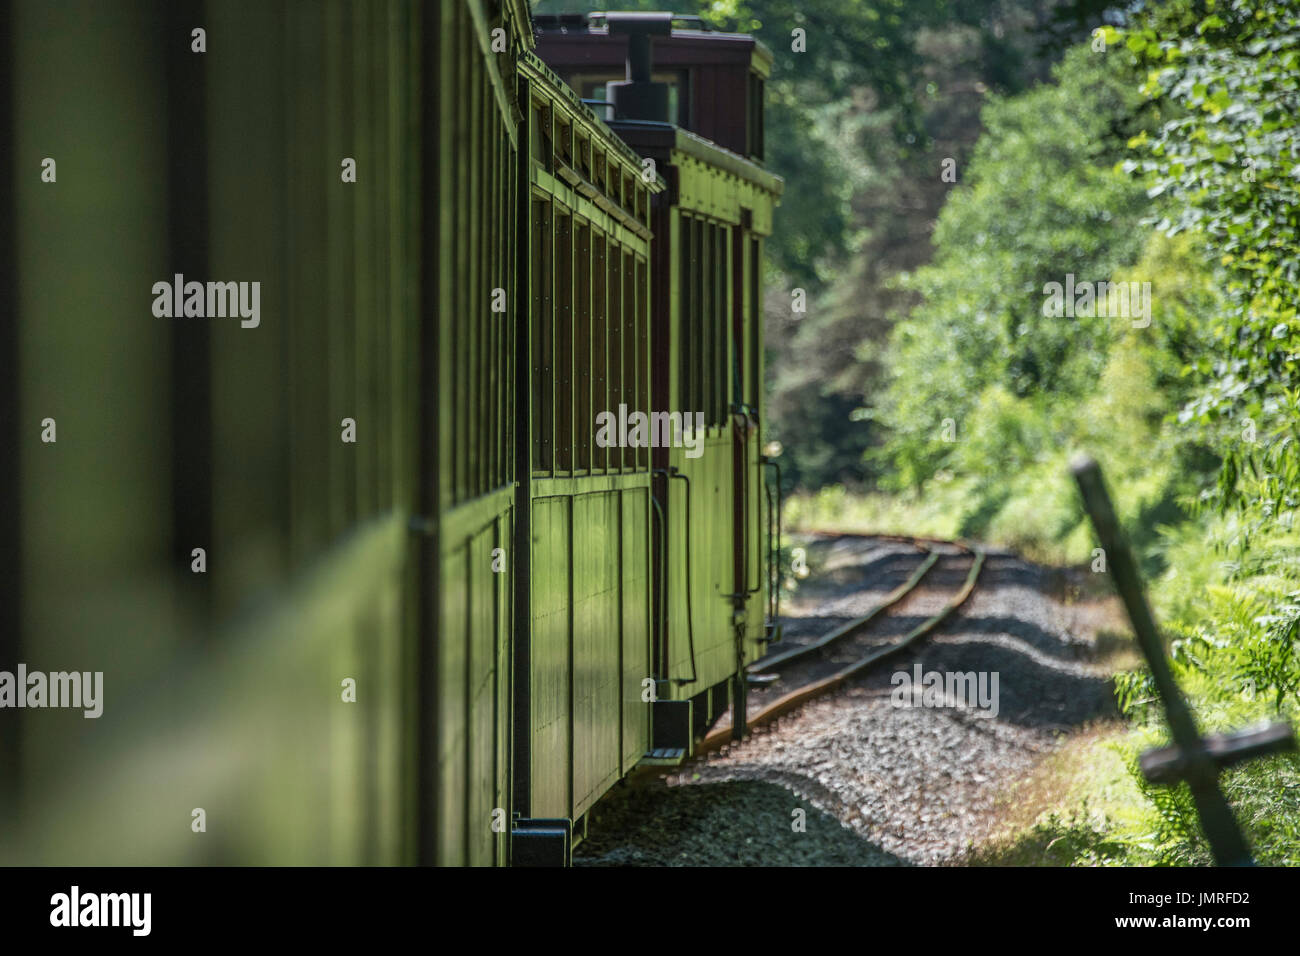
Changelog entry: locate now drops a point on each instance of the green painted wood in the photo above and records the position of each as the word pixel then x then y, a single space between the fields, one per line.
pixel 312 560
pixel 551 649
pixel 482 791
pixel 306 589
pixel 452 706
pixel 475 380
pixel 333 378
pixel 252 735
pixel 634 530
pixel 96 524
pixel 597 647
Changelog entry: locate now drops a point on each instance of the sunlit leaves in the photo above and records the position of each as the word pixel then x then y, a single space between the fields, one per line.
pixel 1229 159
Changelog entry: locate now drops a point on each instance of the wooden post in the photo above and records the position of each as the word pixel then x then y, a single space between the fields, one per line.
pixel 1191 758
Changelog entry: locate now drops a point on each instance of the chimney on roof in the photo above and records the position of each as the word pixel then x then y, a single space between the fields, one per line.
pixel 639 97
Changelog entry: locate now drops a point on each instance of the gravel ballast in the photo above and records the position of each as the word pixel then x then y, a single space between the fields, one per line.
pixel 879 780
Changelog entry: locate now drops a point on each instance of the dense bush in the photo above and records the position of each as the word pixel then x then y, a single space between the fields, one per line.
pixel 1195 417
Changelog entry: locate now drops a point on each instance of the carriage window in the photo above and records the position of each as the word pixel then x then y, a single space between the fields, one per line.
pixel 564 139
pixel 543 379
pixel 542 145
pixel 594 398
pixel 564 309
pixel 615 322
pixel 641 327
pixel 595 87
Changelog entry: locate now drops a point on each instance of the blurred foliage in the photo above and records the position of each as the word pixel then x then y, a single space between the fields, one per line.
pixel 1195 417
pixel 1229 161
pixel 897 148
pixel 1005 476
pixel 1042 200
pixel 1225 163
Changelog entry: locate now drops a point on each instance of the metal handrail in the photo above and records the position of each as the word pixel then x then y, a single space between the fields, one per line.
pixel 672 472
pixel 774 560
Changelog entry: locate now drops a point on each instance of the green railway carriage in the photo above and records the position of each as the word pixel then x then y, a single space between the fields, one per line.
pixel 326 560
pixel 582 721
pixel 696 113
pixel 363 582
pixel 474 148
pixel 711 358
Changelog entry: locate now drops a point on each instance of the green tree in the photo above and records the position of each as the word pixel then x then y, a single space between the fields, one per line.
pixel 1043 199
pixel 1228 158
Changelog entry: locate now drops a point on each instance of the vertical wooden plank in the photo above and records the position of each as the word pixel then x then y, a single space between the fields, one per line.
pixel 334 374
pixel 407 37
pixel 456 239
pixel 608 638
pixel 694 340
pixel 430 479
pixel 643 340
pixel 551 658
pixel 566 254
pixel 686 347
pixel 452 706
pixel 597 679
pixel 381 450
pixel 188 242
pixel 523 429
pixel 478 293
pixel 555 315
pixel 635 623
pixel 614 364
pixel 722 325
pixel 402 145
pixel 580 662
pixel 599 348
pixel 11 490
pixel 444 253
pixel 496 279
pixel 482 697
pixel 582 346
pixel 704 344
pixel 631 373
pixel 95 523
pixel 358 358
pixel 541 268
pixel 342 61
pixel 503 632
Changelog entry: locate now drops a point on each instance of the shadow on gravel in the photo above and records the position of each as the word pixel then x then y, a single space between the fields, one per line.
pixel 1001 571
pixel 1032 692
pixel 1057 646
pixel 887 628
pixel 735 823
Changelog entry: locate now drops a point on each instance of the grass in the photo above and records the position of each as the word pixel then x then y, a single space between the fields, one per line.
pixel 835 509
pixel 1079 808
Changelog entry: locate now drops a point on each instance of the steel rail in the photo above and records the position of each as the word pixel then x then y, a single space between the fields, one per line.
pixel 720 736
pixel 850 627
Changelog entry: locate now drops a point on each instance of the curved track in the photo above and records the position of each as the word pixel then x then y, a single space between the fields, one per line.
pixel 812 669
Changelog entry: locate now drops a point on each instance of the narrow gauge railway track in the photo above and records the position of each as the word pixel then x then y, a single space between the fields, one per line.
pixel 811 670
